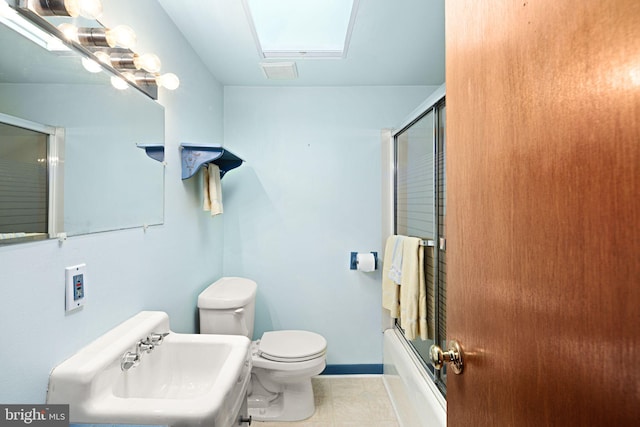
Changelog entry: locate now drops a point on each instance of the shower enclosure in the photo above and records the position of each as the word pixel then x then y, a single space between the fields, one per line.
pixel 418 208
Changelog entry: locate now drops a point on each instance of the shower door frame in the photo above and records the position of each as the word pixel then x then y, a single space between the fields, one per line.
pixel 433 104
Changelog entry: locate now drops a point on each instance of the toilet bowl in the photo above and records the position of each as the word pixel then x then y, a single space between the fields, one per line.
pixel 283 361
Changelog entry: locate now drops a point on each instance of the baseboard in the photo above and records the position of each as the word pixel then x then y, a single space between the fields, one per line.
pixel 361 369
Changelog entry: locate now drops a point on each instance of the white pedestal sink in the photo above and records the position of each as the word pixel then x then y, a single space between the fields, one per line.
pixel 186 380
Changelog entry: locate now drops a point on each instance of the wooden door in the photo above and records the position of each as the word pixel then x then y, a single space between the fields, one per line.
pixel 543 173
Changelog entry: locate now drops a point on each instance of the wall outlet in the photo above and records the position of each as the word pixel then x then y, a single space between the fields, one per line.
pixel 75 280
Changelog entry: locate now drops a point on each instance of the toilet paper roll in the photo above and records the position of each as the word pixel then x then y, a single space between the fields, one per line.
pixel 366 262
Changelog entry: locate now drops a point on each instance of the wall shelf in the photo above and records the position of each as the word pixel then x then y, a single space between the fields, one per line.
pixel 196 155
pixel 155 151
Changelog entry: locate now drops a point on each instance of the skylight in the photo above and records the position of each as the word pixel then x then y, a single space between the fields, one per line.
pixel 297 28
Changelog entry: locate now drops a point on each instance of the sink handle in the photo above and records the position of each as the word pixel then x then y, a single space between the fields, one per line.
pixel 145 346
pixel 156 339
pixel 129 360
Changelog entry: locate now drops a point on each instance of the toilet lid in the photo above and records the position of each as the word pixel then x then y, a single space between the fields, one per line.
pixel 291 346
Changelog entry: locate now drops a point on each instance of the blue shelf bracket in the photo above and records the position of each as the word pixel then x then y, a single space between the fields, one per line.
pixel 155 151
pixel 195 156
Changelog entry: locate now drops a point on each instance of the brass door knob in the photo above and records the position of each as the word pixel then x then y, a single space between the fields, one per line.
pixel 453 356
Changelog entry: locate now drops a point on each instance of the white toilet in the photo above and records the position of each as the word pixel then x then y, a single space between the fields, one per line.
pixel 283 361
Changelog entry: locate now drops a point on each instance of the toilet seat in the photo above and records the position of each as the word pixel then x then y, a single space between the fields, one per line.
pixel 291 346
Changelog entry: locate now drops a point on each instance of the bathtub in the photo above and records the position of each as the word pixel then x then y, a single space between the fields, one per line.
pixel 415 398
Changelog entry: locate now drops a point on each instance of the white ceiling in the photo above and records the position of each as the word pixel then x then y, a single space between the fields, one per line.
pixel 394 42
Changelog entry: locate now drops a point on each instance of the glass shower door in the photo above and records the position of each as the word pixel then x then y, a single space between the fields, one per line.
pixel 420 211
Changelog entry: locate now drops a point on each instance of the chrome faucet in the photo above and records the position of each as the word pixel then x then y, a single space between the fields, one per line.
pixel 146 345
pixel 151 341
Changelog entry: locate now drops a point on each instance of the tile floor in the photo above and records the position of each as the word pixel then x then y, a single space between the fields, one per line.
pixel 346 401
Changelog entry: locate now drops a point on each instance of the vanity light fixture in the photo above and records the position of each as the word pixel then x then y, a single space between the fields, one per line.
pixel 90 9
pixel 169 80
pixel 127 61
pixel 103 48
pixel 118 36
pixel 132 61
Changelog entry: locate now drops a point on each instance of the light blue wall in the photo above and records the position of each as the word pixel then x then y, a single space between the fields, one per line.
pixel 308 195
pixel 129 270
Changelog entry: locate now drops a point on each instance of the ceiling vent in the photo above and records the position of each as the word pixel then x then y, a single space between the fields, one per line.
pixel 280 70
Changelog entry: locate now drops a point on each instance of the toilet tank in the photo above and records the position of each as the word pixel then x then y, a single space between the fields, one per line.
pixel 227 307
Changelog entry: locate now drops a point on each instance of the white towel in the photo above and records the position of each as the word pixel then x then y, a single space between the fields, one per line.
pixel 395 269
pixel 390 290
pixel 212 190
pixel 413 292
pixel 205 189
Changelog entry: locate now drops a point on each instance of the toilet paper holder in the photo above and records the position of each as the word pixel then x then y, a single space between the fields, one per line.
pixel 354 260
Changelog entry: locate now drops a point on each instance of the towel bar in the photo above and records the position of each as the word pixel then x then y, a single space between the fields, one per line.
pixel 427 243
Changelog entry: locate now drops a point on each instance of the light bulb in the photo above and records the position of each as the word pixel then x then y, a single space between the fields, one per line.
pixel 91 66
pixel 90 9
pixel 169 81
pixel 119 83
pixel 72 7
pixel 103 57
pixel 69 31
pixel 149 62
pixel 122 36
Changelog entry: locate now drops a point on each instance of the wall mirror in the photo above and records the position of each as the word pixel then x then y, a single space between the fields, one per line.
pixel 109 183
